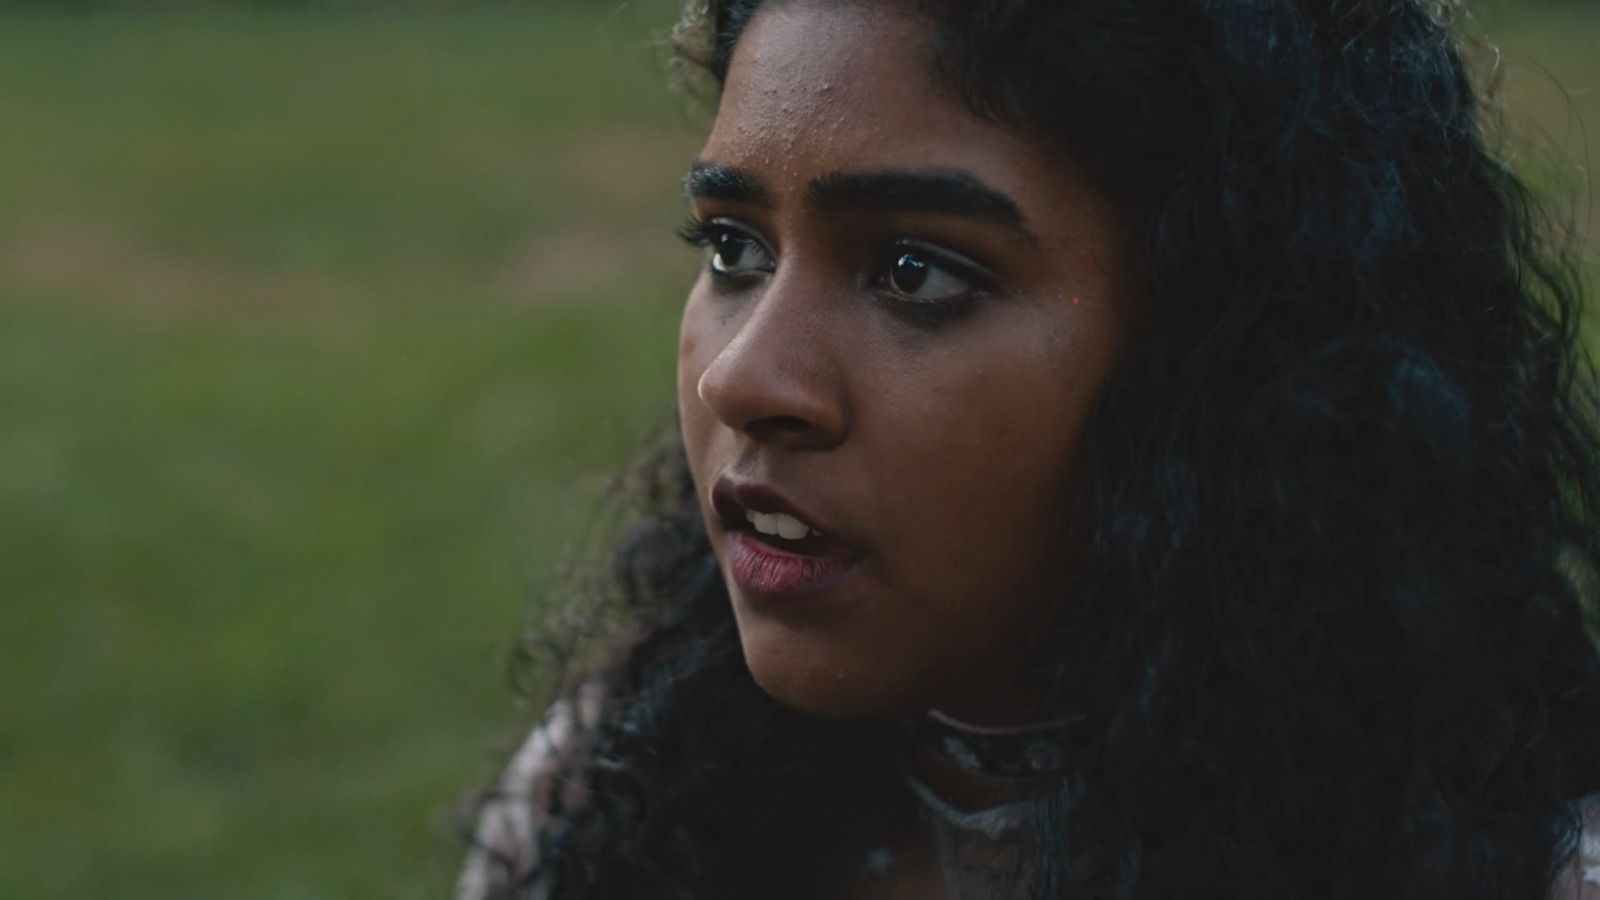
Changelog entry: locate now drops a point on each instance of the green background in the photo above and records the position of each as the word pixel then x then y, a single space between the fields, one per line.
pixel 321 329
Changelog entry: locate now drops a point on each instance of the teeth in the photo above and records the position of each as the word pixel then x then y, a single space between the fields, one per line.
pixel 780 524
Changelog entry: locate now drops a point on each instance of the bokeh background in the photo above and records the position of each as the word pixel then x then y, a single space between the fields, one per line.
pixel 322 327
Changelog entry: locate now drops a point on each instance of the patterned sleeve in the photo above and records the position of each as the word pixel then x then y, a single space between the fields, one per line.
pixel 505 845
pixel 1579 879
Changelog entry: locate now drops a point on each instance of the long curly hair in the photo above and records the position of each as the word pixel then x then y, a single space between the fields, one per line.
pixel 1336 621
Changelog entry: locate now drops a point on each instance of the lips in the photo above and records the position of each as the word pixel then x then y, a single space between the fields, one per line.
pixel 775 547
pixel 772 518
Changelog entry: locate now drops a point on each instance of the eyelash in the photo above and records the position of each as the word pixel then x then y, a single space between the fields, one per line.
pixel 695 232
pixel 701 235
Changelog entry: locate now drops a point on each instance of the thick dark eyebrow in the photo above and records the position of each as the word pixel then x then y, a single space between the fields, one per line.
pixel 941 192
pixel 948 192
pixel 715 181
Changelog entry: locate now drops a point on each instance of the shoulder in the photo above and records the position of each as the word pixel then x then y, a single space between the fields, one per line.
pixel 1579 877
pixel 505 848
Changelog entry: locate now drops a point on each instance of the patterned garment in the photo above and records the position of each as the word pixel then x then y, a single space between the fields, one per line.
pixel 505 849
pixel 982 863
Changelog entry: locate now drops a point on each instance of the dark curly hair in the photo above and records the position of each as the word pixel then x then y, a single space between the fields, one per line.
pixel 1335 626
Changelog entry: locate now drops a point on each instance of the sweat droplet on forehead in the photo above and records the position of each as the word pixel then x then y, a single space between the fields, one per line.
pixel 796 83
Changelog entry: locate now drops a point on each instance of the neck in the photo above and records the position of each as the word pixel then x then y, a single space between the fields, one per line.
pixel 969 791
pixel 976 766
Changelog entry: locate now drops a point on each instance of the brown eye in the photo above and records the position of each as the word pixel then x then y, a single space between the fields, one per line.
pixel 913 275
pixel 736 253
pixel 908 274
pixel 730 249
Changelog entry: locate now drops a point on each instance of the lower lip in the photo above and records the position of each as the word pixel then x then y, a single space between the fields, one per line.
pixel 763 569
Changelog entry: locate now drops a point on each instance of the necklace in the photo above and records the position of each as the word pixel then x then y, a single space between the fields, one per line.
pixel 986 853
pixel 1035 750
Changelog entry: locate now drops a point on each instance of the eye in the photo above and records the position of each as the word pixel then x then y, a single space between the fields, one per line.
pixel 915 276
pixel 922 274
pixel 736 253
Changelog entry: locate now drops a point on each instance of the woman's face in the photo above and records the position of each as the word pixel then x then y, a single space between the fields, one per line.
pixel 886 368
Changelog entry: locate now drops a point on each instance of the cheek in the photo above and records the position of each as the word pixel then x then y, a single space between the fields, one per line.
pixel 697 347
pixel 982 485
pixel 996 454
pixel 690 342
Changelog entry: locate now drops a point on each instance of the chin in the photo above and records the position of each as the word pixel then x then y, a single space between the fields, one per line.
pixel 824 700
pixel 813 684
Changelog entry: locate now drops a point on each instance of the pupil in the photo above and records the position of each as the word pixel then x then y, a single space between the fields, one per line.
pixel 909 274
pixel 729 249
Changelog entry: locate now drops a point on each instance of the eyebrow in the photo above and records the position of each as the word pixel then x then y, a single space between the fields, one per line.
pixel 940 192
pixel 715 181
pixel 948 192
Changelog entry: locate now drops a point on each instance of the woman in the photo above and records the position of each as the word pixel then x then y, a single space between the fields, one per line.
pixel 1128 449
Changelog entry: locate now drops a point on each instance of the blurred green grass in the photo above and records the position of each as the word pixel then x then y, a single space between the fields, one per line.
pixel 318 333
pixel 315 329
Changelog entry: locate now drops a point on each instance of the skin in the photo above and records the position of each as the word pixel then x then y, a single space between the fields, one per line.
pixel 944 450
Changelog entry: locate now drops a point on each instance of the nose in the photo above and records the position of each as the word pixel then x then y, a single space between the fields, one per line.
pixel 776 379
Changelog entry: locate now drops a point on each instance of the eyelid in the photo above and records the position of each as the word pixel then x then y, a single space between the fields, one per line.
pixel 733 224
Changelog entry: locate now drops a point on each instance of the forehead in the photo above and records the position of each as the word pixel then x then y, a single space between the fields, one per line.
pixel 829 85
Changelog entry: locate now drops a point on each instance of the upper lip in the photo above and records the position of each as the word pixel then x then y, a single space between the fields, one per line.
pixel 731 499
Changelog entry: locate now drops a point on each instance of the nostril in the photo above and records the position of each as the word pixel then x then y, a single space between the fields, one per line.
pixel 776 428
pixel 782 424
